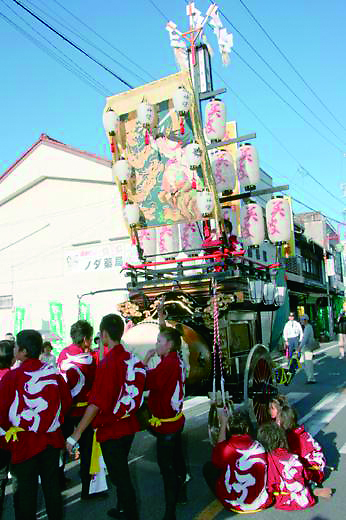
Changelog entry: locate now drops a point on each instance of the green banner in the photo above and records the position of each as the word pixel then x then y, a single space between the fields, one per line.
pixel 18 319
pixel 56 321
pixel 84 312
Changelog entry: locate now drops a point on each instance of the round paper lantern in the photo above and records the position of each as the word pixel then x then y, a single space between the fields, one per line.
pixel 252 224
pixel 279 216
pixel 205 202
pixel 181 100
pixel 110 122
pixel 132 214
pixel 167 241
pixel 147 240
pixel 247 165
pixel 215 117
pixel 146 114
pixel 193 155
pixel 121 170
pixel 223 169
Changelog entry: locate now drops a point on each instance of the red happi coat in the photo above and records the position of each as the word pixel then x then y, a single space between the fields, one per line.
pixel 3 443
pixel 310 452
pixel 241 486
pixel 36 398
pixel 78 368
pixel 287 481
pixel 165 383
pixel 118 393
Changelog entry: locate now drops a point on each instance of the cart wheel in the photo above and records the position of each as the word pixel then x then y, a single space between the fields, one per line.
pixel 259 383
pixel 214 423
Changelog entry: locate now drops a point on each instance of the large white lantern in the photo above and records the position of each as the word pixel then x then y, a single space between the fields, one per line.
pixel 147 240
pixel 110 122
pixel 132 214
pixel 146 114
pixel 167 241
pixel 191 237
pixel 247 165
pixel 193 154
pixel 181 100
pixel 279 216
pixel 223 169
pixel 252 224
pixel 215 120
pixel 121 170
pixel 205 202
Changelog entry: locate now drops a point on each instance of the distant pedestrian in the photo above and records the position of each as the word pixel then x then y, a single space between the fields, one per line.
pixel 306 347
pixel 341 322
pixel 47 356
pixel 293 334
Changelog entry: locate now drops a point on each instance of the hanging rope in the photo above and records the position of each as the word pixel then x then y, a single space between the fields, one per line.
pixel 217 346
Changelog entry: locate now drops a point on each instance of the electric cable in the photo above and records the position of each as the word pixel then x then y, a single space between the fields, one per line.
pixel 70 42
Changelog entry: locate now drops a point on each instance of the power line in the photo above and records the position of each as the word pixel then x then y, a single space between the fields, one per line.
pixel 67 40
pixel 291 65
pixel 86 40
pixel 84 76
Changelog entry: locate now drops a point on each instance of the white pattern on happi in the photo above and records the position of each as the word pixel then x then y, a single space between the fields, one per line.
pixel 70 363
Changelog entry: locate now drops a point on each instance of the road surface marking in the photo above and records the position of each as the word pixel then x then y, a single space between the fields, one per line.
pixel 210 511
pixel 295 397
pixel 315 425
pixel 343 449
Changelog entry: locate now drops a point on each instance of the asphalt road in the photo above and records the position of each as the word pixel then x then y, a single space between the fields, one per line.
pixel 321 407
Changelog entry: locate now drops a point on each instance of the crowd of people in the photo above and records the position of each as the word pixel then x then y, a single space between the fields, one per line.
pixel 49 405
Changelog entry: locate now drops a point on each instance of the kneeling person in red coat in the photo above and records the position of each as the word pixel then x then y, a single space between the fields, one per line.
pixel 238 471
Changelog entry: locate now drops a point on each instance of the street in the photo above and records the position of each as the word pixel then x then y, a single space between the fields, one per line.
pixel 321 408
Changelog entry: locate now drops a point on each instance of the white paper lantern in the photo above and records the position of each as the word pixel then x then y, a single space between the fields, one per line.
pixel 223 169
pixel 279 296
pixel 121 170
pixel 181 100
pixel 193 155
pixel 191 236
pixel 279 216
pixel 146 114
pixel 205 202
pixel 147 240
pixel 252 224
pixel 247 165
pixel 269 293
pixel 215 120
pixel 132 214
pixel 110 122
pixel 256 289
pixel 167 241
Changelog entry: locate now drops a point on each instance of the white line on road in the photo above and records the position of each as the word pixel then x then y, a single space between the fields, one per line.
pixel 329 407
pixel 295 397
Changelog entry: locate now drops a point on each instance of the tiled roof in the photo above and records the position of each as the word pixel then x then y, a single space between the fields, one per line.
pixel 44 138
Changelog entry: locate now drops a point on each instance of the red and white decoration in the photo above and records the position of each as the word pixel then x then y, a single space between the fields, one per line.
pixel 247 165
pixel 252 224
pixel 146 116
pixel 167 238
pixel 223 169
pixel 279 219
pixel 147 240
pixel 121 170
pixel 181 102
pixel 215 117
pixel 191 235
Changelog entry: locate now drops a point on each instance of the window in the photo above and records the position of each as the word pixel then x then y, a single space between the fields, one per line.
pixel 249 252
pixel 258 254
pixel 6 302
pixel 265 257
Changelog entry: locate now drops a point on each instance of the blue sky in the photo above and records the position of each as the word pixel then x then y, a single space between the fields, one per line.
pixel 38 95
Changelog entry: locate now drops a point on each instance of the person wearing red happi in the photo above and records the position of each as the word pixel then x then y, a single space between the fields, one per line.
pixel 166 385
pixel 34 401
pixel 287 479
pixel 116 395
pixel 6 360
pixel 78 367
pixel 237 474
pixel 96 353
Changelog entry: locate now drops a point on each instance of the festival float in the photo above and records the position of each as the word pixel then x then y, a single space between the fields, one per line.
pixel 188 188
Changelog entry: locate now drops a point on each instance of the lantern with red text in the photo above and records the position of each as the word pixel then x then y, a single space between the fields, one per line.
pixel 252 224
pixel 146 117
pixel 147 240
pixel 167 241
pixel 279 216
pixel 215 117
pixel 223 169
pixel 247 166
pixel 181 102
pixel 193 155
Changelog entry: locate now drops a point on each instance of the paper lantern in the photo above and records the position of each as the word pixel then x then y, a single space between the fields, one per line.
pixel 269 293
pixel 279 216
pixel 223 169
pixel 146 114
pixel 167 241
pixel 256 289
pixel 193 155
pixel 205 202
pixel 191 237
pixel 215 117
pixel 252 224
pixel 247 165
pixel 132 214
pixel 181 102
pixel 121 170
pixel 147 240
pixel 110 122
